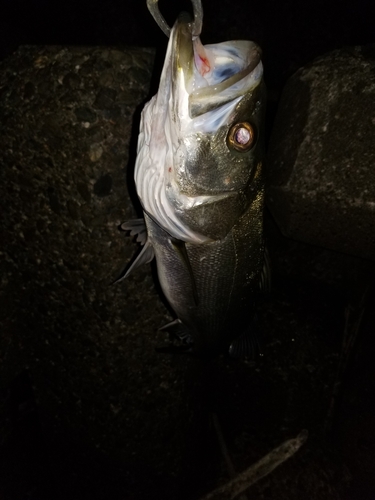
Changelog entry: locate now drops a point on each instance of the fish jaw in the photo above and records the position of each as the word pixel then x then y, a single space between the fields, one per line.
pixel 188 179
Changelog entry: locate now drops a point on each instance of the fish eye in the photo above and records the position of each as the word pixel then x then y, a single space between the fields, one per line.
pixel 241 136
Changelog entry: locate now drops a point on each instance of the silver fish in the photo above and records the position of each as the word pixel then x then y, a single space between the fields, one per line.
pixel 200 180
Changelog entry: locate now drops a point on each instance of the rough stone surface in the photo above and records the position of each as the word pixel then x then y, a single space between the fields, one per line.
pixel 66 125
pixel 322 154
pixel 95 412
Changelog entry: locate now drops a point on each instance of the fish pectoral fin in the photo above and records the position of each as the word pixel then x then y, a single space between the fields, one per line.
pixel 146 255
pixel 247 345
pixel 180 248
pixel 137 227
pixel 178 330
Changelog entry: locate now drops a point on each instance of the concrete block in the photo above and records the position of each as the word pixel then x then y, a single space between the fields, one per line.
pixel 321 161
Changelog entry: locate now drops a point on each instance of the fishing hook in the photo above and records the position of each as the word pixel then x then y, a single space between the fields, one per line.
pixel 152 6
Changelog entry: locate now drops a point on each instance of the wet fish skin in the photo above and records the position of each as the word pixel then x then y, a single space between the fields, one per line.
pixel 203 199
pixel 226 277
pixel 212 168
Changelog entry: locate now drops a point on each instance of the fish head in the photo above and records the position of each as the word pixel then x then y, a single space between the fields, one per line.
pixel 201 141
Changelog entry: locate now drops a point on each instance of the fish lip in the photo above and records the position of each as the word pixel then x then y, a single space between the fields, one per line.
pixel 186 202
pixel 183 51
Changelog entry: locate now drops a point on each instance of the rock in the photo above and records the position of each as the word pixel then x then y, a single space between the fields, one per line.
pixel 87 345
pixel 322 154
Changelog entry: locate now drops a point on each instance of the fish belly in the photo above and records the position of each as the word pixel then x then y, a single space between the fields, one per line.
pixel 215 299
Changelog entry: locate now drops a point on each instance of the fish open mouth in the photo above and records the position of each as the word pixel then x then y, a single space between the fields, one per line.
pixel 214 74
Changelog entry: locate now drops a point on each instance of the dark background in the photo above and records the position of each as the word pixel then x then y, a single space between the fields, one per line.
pixel 290 32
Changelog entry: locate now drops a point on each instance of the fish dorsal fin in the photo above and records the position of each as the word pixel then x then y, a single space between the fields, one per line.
pixel 180 247
pixel 245 346
pixel 248 344
pixel 265 275
pixel 145 256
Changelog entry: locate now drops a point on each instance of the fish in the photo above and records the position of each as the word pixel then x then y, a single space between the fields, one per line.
pixel 200 179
